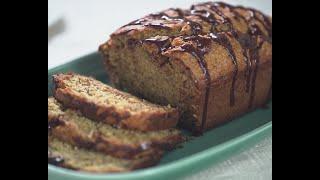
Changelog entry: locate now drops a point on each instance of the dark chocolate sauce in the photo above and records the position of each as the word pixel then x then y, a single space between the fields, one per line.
pixel 145 23
pixel 205 16
pixel 264 21
pixel 199 51
pixel 54 123
pixel 255 58
pixel 196 28
pixel 132 43
pixel 250 44
pixel 253 48
pixel 200 44
pixel 223 40
pixel 254 29
pixel 163 43
pixel 137 22
pixel 244 41
pixel 149 24
pixel 215 8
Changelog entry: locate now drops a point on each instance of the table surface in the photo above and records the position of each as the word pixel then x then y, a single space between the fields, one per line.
pixel 78 27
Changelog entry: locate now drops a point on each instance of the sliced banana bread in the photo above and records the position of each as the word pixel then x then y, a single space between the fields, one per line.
pixel 212 60
pixel 103 103
pixel 68 125
pixel 68 156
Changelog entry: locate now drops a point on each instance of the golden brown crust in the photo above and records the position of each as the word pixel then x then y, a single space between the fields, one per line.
pixel 110 114
pixel 237 62
pixel 175 22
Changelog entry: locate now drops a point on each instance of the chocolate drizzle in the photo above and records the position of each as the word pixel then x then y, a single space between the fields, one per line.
pixel 162 43
pixel 54 123
pixel 198 51
pixel 220 39
pixel 224 41
pixel 255 58
pixel 205 16
pixel 262 20
pixel 245 43
pixel 249 44
pixel 144 22
pixel 196 28
pixel 198 43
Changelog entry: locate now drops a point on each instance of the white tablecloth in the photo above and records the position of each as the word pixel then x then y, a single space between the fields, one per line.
pixel 78 27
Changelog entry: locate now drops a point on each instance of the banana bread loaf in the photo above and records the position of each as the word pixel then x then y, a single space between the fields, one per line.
pixel 212 61
pixel 103 103
pixel 68 125
pixel 68 156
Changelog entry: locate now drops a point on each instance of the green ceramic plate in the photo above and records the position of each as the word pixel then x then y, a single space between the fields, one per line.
pixel 214 146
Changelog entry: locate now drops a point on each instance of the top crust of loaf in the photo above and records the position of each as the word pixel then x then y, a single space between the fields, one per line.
pixel 213 44
pixel 174 29
pixel 176 22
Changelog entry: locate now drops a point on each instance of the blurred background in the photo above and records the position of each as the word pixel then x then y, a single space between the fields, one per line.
pixel 78 27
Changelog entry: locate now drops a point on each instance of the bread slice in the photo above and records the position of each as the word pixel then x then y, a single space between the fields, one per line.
pixel 68 125
pixel 103 103
pixel 68 156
